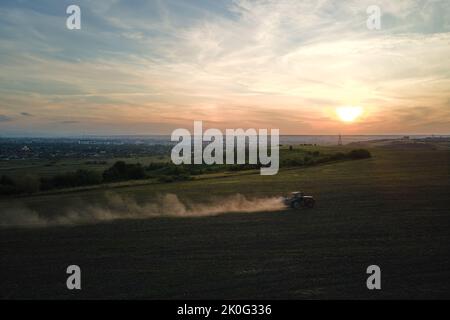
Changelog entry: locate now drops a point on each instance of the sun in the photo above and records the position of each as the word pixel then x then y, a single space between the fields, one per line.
pixel 349 114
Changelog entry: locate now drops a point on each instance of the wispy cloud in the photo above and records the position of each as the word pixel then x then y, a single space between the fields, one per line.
pixel 4 118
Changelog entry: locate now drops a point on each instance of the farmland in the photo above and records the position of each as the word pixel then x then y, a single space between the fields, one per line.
pixel 390 210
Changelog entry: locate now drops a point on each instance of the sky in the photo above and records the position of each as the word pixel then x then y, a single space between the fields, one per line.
pixel 149 67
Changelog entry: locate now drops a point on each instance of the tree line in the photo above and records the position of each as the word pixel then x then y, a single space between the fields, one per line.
pixel 163 172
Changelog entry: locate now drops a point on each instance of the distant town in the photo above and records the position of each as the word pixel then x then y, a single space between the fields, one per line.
pixel 65 148
pixel 22 148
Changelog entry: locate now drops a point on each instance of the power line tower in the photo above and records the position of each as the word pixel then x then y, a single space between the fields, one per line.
pixel 340 140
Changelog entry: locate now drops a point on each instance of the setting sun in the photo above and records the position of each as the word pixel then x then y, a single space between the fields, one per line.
pixel 349 114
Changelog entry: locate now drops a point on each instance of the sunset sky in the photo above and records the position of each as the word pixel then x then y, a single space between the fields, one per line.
pixel 148 67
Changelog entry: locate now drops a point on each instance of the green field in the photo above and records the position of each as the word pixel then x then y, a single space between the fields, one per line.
pixel 46 168
pixel 391 210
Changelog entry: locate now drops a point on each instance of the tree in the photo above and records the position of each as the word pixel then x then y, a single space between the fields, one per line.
pixel 122 171
pixel 359 154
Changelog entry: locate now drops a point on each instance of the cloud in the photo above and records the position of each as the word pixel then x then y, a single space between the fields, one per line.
pixel 4 118
pixel 26 114
pixel 286 63
pixel 70 122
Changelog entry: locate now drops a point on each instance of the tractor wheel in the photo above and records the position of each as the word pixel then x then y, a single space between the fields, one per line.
pixel 296 205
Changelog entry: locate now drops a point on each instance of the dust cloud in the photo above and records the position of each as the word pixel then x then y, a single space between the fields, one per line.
pixel 121 207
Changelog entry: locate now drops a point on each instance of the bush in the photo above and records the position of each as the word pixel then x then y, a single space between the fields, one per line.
pixel 19 185
pixel 71 179
pixel 338 156
pixel 307 160
pixel 359 154
pixel 121 171
pixel 7 186
pixel 27 184
pixel 7 190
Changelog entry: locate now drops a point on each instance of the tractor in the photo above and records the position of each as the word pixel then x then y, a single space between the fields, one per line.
pixel 298 200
